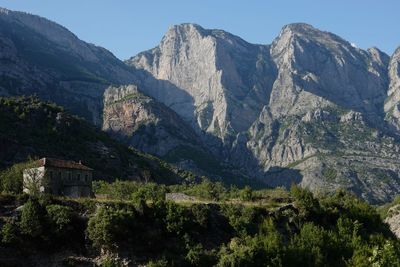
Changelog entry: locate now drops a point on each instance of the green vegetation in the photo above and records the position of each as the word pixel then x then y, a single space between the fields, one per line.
pixel 202 191
pixel 302 230
pixel 329 173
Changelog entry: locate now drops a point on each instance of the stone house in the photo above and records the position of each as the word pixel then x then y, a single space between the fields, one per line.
pixel 59 177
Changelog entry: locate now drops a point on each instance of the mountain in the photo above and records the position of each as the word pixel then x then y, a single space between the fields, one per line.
pixel 41 57
pixel 309 108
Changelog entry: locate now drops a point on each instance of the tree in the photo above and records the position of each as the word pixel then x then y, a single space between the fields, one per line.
pixel 11 180
pixel 34 181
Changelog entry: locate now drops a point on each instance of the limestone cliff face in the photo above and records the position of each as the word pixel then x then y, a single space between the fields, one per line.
pixel 228 80
pixel 309 108
pixel 40 57
pixel 318 68
pixel 392 108
pixel 143 123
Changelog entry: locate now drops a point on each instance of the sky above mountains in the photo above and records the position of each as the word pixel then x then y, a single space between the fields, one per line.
pixel 128 27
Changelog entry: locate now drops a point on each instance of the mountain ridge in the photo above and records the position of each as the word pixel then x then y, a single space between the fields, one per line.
pixel 312 74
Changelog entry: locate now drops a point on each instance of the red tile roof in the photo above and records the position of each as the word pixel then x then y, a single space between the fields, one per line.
pixel 65 164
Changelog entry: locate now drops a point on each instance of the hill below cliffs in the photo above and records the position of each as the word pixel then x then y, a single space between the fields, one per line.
pixel 30 128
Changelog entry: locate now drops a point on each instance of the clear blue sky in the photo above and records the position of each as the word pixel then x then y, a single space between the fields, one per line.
pixel 128 27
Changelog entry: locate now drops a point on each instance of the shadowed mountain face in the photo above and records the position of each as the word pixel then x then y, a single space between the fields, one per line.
pixel 308 108
pixel 41 57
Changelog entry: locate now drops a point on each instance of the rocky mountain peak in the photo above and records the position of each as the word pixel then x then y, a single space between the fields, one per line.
pixel 320 68
pixel 301 34
pixel 184 29
pixel 299 28
pixel 379 56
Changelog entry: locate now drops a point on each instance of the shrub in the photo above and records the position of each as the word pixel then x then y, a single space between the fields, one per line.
pixel 110 226
pixel 176 218
pixel 150 192
pixel 158 263
pixel 305 201
pixel 386 255
pixel 9 233
pixel 246 194
pixel 200 214
pixel 245 251
pixel 60 217
pixel 241 218
pixel 31 223
pixel 311 246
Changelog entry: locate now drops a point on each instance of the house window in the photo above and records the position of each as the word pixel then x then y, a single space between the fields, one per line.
pixel 69 176
pixel 86 177
pixel 79 176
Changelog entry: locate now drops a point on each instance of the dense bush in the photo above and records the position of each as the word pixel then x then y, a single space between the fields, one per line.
pixel 60 219
pixel 9 233
pixel 246 194
pixel 32 218
pixel 108 226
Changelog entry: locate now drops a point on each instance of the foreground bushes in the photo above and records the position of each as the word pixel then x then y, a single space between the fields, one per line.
pixel 337 230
